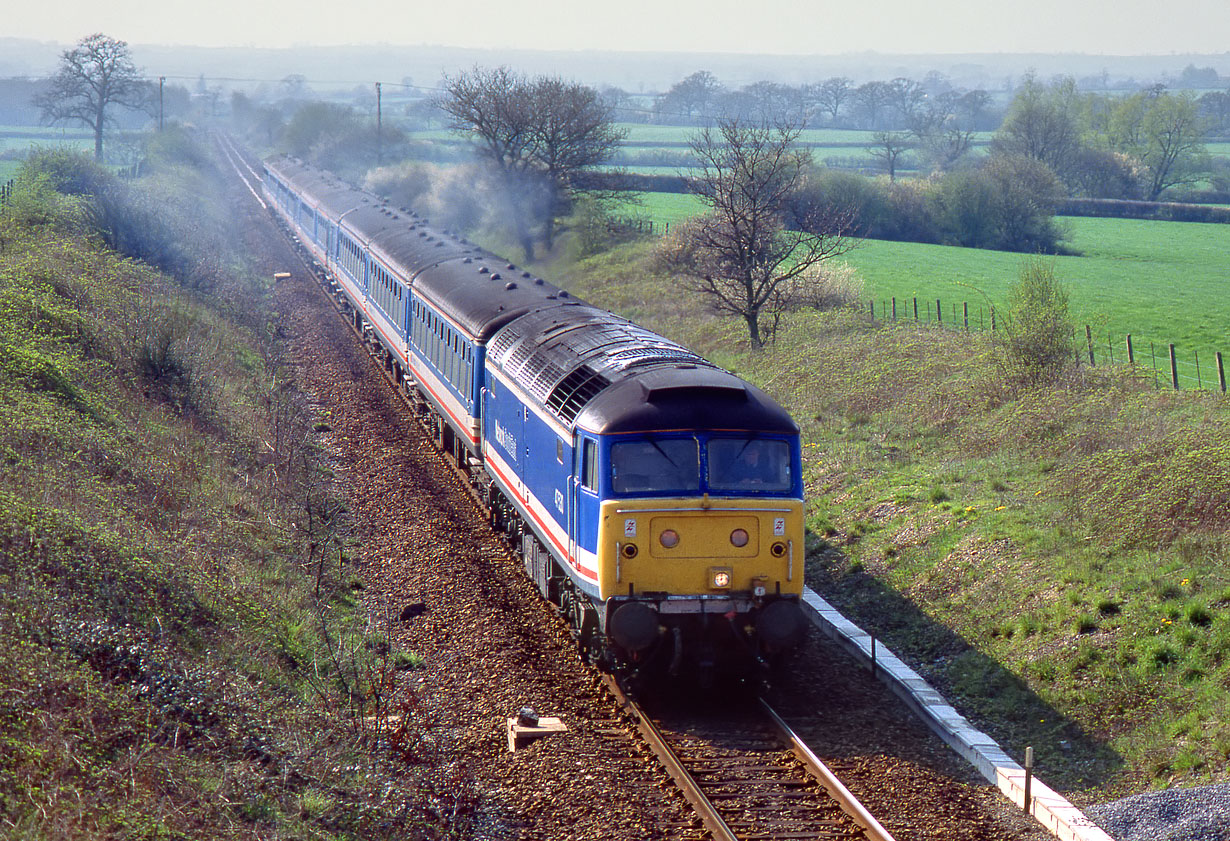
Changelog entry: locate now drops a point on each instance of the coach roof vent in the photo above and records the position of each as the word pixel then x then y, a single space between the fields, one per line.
pixel 575 391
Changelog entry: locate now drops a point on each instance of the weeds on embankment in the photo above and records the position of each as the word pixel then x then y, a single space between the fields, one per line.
pixel 184 654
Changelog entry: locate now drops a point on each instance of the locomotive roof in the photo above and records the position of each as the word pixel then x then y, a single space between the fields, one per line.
pixel 479 290
pixel 595 370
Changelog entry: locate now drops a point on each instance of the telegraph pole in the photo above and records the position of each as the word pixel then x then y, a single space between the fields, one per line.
pixel 161 81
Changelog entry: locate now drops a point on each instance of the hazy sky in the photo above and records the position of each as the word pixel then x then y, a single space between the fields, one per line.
pixel 1112 27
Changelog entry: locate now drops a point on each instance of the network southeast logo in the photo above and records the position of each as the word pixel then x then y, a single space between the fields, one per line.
pixel 506 440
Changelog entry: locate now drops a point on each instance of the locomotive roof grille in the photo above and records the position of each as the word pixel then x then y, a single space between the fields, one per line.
pixel 575 391
pixel 548 375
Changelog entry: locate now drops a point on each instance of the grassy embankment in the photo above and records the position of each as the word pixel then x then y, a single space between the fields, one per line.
pixel 1053 558
pixel 183 654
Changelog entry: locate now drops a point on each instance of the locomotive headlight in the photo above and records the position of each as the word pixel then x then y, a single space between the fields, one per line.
pixel 669 538
pixel 738 538
pixel 778 549
pixel 719 577
pixel 629 550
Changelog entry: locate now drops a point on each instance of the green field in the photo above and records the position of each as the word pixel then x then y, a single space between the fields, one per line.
pixel 663 207
pixel 1162 282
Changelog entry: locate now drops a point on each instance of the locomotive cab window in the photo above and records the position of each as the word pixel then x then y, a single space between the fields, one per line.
pixel 758 465
pixel 589 465
pixel 656 465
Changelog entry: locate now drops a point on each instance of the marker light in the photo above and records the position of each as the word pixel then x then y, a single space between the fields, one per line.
pixel 669 538
pixel 719 577
pixel 738 538
pixel 629 550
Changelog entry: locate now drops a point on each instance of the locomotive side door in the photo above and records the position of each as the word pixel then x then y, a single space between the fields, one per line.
pixel 584 506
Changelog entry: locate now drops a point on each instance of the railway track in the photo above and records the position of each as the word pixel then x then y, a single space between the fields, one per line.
pixel 749 776
pixel 755 781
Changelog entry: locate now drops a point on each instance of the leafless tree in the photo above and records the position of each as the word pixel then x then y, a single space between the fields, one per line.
pixel 831 94
pixel 740 255
pixel 95 75
pixel 537 134
pixel 907 96
pixel 888 148
pixel 691 98
pixel 871 99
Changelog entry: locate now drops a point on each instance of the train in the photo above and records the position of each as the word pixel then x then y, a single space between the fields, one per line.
pixel 656 499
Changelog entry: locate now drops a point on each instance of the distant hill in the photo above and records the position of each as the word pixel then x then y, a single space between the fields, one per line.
pixel 347 66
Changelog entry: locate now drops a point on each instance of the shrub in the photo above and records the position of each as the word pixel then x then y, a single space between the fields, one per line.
pixel 1038 333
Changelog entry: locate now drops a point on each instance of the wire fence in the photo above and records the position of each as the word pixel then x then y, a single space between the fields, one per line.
pixel 1171 367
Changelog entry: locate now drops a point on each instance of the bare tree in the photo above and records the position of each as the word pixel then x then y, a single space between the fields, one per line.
pixel 538 135
pixel 888 148
pixel 908 97
pixel 740 255
pixel 690 98
pixel 94 75
pixel 831 94
pixel 871 99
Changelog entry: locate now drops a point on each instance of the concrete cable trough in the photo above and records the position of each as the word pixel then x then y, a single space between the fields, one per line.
pixel 1047 806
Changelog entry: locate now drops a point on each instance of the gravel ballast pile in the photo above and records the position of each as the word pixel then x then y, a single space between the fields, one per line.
pixel 1176 814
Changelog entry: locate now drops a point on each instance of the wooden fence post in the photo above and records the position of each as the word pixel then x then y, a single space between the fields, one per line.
pixel 915 307
pixel 992 319
pixel 1199 382
pixel 1221 373
pixel 1174 369
pixel 1131 356
pixel 939 311
pixel 872 308
pixel 1153 362
pixel 1089 341
pixel 894 308
pixel 965 314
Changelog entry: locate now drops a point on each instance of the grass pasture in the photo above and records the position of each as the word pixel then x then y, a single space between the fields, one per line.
pixel 1162 282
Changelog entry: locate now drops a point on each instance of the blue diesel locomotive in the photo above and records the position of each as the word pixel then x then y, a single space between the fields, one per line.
pixel 656 499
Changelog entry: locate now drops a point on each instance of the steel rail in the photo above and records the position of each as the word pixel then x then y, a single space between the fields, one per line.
pixel 836 789
pixel 691 790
